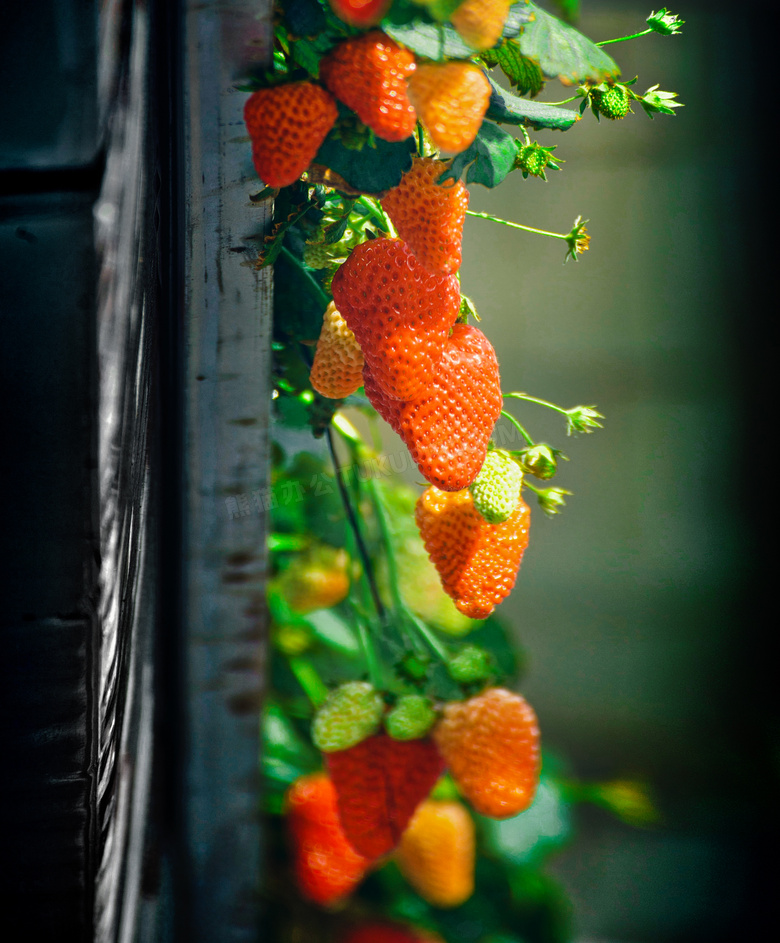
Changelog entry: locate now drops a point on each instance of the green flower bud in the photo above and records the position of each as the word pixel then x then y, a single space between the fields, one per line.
pixel 541 461
pixel 469 665
pixel 411 718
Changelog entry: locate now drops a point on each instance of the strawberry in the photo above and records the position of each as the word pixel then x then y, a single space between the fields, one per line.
pixel 326 866
pixel 379 783
pixel 337 370
pixel 477 561
pixel 350 714
pixel 480 22
pixel 388 933
pixel 400 313
pixel 429 216
pixel 368 73
pixel 316 579
pixel 611 101
pixel 362 13
pixel 411 717
pixel 447 428
pixel 491 744
pixel 496 489
pixel 287 124
pixel 436 853
pixel 451 99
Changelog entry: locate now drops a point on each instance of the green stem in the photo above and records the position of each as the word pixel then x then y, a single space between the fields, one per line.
pixel 539 402
pixel 308 678
pixel 312 281
pixel 375 208
pixel 370 655
pixel 506 222
pixel 439 649
pixel 516 424
pixel 566 101
pixel 353 523
pixel 387 544
pixel 623 39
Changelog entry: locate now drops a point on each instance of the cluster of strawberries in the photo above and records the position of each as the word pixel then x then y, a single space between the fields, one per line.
pixel 387 89
pixel 374 798
pixel 395 328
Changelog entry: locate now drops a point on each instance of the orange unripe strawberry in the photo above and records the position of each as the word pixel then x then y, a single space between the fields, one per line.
pixel 316 579
pixel 337 370
pixel 429 216
pixel 448 426
pixel 379 783
pixel 400 312
pixel 480 22
pixel 451 99
pixel 287 125
pixel 491 744
pixel 327 868
pixel 436 854
pixel 477 561
pixel 368 73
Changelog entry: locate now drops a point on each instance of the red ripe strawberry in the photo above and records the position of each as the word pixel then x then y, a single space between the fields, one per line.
pixel 448 427
pixel 451 99
pixel 429 216
pixel 400 313
pixel 327 867
pixel 369 75
pixel 362 13
pixel 388 933
pixel 476 561
pixel 287 124
pixel 491 743
pixel 379 783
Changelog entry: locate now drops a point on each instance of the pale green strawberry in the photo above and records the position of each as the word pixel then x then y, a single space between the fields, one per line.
pixel 612 101
pixel 469 665
pixel 496 489
pixel 411 718
pixel 350 714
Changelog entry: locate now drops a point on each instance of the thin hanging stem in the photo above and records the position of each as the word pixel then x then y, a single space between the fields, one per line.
pixel 517 425
pixel 539 402
pixel 506 222
pixel 623 39
pixel 353 523
pixel 308 277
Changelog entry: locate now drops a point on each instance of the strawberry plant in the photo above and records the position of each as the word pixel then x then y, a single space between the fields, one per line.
pixel 388 738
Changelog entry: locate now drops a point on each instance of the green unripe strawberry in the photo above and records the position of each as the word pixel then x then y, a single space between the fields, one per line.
pixel 469 665
pixel 613 102
pixel 411 718
pixel 350 714
pixel 496 489
pixel 533 159
pixel 540 461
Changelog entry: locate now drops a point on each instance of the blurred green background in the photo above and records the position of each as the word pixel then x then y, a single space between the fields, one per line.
pixel 635 606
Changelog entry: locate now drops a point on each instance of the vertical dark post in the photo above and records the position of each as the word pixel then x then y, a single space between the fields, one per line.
pixel 227 332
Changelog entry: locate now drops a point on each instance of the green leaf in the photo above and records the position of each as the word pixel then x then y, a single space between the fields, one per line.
pixel 430 40
pixel 520 14
pixel 333 631
pixel 491 157
pixel 541 829
pixel 523 73
pixel 370 170
pixel 506 108
pixel 439 41
pixel 563 52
